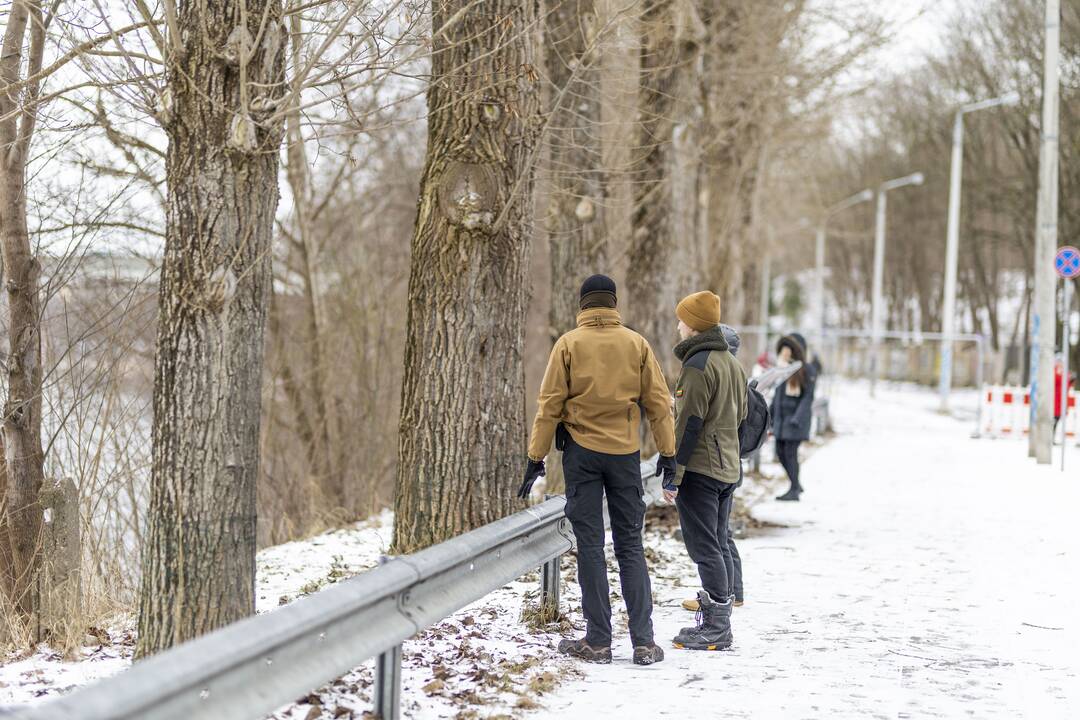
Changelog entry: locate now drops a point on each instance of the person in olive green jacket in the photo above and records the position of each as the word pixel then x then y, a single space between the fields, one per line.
pixel 599 377
pixel 710 403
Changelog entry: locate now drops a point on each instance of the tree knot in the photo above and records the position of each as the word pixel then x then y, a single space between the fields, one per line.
pixel 466 195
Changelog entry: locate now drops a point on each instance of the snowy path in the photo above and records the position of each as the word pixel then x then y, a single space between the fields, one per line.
pixel 924 575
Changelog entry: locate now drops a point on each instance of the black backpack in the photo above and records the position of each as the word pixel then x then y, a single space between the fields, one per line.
pixel 755 428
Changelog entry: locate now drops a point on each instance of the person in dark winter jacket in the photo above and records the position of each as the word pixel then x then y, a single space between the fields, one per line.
pixel 811 359
pixel 792 411
pixel 710 402
pixel 732 560
pixel 599 377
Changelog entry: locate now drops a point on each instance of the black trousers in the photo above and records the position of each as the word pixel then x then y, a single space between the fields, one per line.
pixel 589 476
pixel 704 508
pixel 787 452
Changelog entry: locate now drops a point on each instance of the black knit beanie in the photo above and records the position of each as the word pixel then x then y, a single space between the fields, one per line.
pixel 597 291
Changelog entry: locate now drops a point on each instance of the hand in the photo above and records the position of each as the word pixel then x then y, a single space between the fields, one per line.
pixel 666 465
pixel 670 495
pixel 533 470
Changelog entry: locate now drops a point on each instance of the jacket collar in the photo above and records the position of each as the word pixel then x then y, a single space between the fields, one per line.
pixel 598 317
pixel 711 339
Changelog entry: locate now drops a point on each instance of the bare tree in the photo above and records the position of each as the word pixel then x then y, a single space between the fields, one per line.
pixel 27 24
pixel 578 197
pixel 462 401
pixel 225 81
pixel 671 33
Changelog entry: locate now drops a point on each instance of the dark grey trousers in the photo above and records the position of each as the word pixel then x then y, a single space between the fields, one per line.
pixel 704 507
pixel 589 476
pixel 736 564
pixel 732 561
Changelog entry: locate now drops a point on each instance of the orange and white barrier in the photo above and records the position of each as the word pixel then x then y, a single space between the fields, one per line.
pixel 1006 412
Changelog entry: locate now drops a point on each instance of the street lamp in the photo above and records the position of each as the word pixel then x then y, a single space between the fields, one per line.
pixel 877 306
pixel 819 255
pixel 952 242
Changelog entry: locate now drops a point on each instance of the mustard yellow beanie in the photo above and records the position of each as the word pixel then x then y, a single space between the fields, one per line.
pixel 700 311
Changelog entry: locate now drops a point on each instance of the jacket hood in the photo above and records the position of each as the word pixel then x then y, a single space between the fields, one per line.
pixel 598 317
pixel 711 339
pixel 732 338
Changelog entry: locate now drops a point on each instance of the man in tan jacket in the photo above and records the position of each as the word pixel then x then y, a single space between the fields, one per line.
pixel 599 377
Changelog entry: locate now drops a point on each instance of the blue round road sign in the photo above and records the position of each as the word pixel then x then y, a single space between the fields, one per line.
pixel 1067 262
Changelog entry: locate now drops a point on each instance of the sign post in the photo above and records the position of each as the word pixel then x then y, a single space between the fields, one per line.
pixel 1067 266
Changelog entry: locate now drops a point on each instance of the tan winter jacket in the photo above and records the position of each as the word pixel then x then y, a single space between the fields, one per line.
pixel 596 376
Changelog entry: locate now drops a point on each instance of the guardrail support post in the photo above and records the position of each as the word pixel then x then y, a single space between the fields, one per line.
pixel 388 684
pixel 549 586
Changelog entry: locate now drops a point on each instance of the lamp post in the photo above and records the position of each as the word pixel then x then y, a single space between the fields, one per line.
pixel 819 256
pixel 952 240
pixel 877 306
pixel 765 291
pixel 1046 240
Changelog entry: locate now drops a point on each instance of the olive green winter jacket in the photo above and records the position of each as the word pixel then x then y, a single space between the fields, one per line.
pixel 710 403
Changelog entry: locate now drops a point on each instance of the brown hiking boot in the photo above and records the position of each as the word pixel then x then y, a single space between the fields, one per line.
pixel 583 651
pixel 648 654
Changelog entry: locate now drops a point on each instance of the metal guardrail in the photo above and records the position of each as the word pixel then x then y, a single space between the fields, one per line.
pixel 255 666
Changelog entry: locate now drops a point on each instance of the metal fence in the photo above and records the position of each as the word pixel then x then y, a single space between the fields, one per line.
pixel 254 666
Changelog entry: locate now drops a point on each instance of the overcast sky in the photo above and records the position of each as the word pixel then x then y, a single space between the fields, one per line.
pixel 918 25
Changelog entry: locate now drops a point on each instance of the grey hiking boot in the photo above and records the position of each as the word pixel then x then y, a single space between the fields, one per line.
pixel 583 651
pixel 648 654
pixel 713 631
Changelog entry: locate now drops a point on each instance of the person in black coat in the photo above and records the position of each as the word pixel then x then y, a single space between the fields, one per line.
pixel 792 411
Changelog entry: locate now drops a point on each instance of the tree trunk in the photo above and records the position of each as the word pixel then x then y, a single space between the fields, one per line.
pixel 221 167
pixel 23 453
pixel 668 48
pixel 576 221
pixel 461 443
pixel 322 458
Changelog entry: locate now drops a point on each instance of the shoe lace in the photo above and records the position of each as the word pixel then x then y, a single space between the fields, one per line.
pixel 699 617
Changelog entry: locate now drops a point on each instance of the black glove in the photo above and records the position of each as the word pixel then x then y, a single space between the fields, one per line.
pixel 533 470
pixel 666 465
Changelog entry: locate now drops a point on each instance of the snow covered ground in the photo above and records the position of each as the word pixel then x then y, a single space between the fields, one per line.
pixel 483 661
pixel 924 575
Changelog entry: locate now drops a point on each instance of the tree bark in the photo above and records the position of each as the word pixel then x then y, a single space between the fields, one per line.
pixel 23 453
pixel 461 442
pixel 578 201
pixel 222 169
pixel 576 221
pixel 668 48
